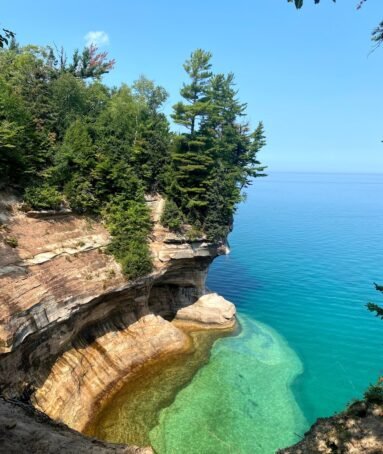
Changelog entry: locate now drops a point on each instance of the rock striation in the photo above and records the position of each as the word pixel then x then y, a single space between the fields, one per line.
pixel 59 285
pixel 83 376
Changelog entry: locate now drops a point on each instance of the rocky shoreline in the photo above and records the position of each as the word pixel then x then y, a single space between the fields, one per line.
pixel 24 429
pixel 83 378
pixel 72 326
pixel 357 430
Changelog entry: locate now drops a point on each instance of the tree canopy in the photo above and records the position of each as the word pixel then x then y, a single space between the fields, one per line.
pixel 5 37
pixel 299 3
pixel 67 139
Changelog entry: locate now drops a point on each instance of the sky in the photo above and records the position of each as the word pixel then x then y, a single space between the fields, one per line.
pixel 309 75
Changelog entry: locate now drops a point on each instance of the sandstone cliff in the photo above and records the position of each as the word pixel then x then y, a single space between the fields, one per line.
pixel 71 325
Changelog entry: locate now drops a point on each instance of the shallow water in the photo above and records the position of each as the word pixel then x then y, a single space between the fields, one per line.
pixel 240 402
pixel 134 410
pixel 305 251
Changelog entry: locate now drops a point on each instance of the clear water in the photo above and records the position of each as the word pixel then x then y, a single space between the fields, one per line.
pixel 306 249
pixel 240 402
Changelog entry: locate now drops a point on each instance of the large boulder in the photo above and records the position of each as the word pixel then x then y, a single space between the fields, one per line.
pixel 210 309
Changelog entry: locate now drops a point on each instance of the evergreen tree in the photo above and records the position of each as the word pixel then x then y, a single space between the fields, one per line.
pixel 150 148
pixel 218 156
pixel 192 164
pixel 64 140
pixel 198 69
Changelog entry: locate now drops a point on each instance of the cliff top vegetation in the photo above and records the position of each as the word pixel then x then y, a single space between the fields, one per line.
pixel 67 139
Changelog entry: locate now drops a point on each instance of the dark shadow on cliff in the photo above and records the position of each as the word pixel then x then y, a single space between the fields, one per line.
pixel 109 312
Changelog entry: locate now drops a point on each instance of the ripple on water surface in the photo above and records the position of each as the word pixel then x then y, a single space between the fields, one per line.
pixel 239 402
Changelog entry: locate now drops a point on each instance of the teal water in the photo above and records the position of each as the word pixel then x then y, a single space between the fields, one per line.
pixel 240 402
pixel 305 251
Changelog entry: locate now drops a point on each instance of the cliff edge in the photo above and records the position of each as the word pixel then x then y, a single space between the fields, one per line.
pixel 72 325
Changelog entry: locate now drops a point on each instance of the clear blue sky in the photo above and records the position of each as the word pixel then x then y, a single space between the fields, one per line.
pixel 307 74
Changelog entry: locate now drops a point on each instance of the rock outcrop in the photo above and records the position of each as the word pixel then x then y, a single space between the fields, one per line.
pixel 24 430
pixel 72 326
pixel 357 430
pixel 58 285
pixel 83 376
pixel 210 310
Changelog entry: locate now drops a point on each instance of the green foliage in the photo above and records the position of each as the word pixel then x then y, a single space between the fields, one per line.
pixel 43 197
pixel 172 217
pixel 5 37
pixel 11 241
pixel 375 308
pixel 66 138
pixel 69 99
pixel 198 69
pixel 299 3
pixel 129 224
pixel 377 35
pixel 194 233
pixel 372 307
pixel 89 63
pixel 75 155
pixel 137 261
pixel 374 394
pixel 217 157
pixel 11 159
pixel 80 195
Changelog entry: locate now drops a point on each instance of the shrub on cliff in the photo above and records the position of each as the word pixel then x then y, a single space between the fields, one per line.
pixel 43 197
pixel 130 225
pixel 136 261
pixel 80 194
pixel 374 393
pixel 172 217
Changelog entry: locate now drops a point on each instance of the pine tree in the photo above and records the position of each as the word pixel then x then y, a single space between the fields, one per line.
pixel 198 69
pixel 192 164
pixel 218 156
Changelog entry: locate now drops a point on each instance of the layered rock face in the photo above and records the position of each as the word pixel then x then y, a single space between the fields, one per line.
pixel 83 375
pixel 71 325
pixel 82 379
pixel 58 285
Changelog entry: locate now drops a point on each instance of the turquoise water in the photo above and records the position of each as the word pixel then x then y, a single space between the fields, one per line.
pixel 305 251
pixel 240 402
